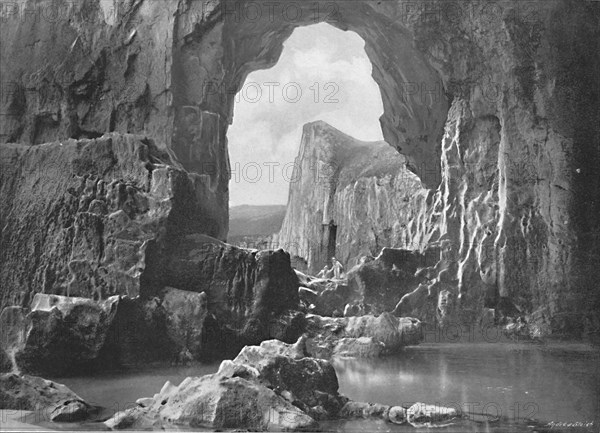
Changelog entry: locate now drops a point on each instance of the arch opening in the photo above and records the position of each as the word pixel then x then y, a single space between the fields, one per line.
pixel 214 58
pixel 323 74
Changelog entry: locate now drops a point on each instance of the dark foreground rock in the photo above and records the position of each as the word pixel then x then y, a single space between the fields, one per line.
pixel 273 386
pixel 52 400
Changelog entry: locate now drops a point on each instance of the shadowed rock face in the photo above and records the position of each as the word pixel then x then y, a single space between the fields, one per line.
pixel 496 107
pixel 115 216
pixel 381 282
pixel 64 336
pixel 91 218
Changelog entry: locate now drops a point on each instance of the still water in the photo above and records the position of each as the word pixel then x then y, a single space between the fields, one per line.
pixel 553 387
pixel 557 386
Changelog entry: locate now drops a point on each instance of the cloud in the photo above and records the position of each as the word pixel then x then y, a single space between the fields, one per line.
pixel 323 74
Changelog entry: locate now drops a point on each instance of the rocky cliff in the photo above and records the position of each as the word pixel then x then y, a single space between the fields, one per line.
pixel 118 222
pixel 494 105
pixel 347 199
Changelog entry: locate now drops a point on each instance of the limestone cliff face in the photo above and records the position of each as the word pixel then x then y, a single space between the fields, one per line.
pixel 347 198
pixel 84 218
pixel 494 105
pixel 95 218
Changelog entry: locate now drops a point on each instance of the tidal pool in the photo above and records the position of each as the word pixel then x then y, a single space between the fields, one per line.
pixel 522 387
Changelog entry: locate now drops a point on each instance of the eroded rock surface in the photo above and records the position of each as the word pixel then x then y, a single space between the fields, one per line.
pixel 91 218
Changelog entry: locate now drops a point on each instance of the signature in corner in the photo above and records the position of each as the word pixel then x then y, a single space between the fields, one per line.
pixel 573 424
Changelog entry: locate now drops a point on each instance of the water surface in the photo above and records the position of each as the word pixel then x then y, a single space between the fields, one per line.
pixel 556 385
pixel 530 387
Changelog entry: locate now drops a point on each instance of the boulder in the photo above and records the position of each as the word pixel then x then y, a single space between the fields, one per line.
pixel 425 415
pixel 311 383
pixel 136 418
pixel 361 347
pixel 58 334
pixel 54 400
pixel 271 386
pixel 359 409
pixel 247 291
pixel 218 402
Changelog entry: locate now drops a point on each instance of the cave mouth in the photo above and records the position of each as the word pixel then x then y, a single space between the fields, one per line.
pixel 323 74
pixel 220 53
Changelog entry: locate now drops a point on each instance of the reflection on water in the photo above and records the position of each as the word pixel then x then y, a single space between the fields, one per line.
pixel 559 383
pixel 552 383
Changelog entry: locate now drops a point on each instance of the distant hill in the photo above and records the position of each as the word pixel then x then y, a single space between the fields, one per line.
pixel 253 221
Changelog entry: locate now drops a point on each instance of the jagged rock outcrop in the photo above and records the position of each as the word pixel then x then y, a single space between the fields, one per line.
pixel 348 198
pixel 495 105
pixel 273 386
pixel 92 220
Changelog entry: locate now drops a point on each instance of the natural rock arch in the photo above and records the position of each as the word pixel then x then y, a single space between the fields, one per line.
pixel 214 58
